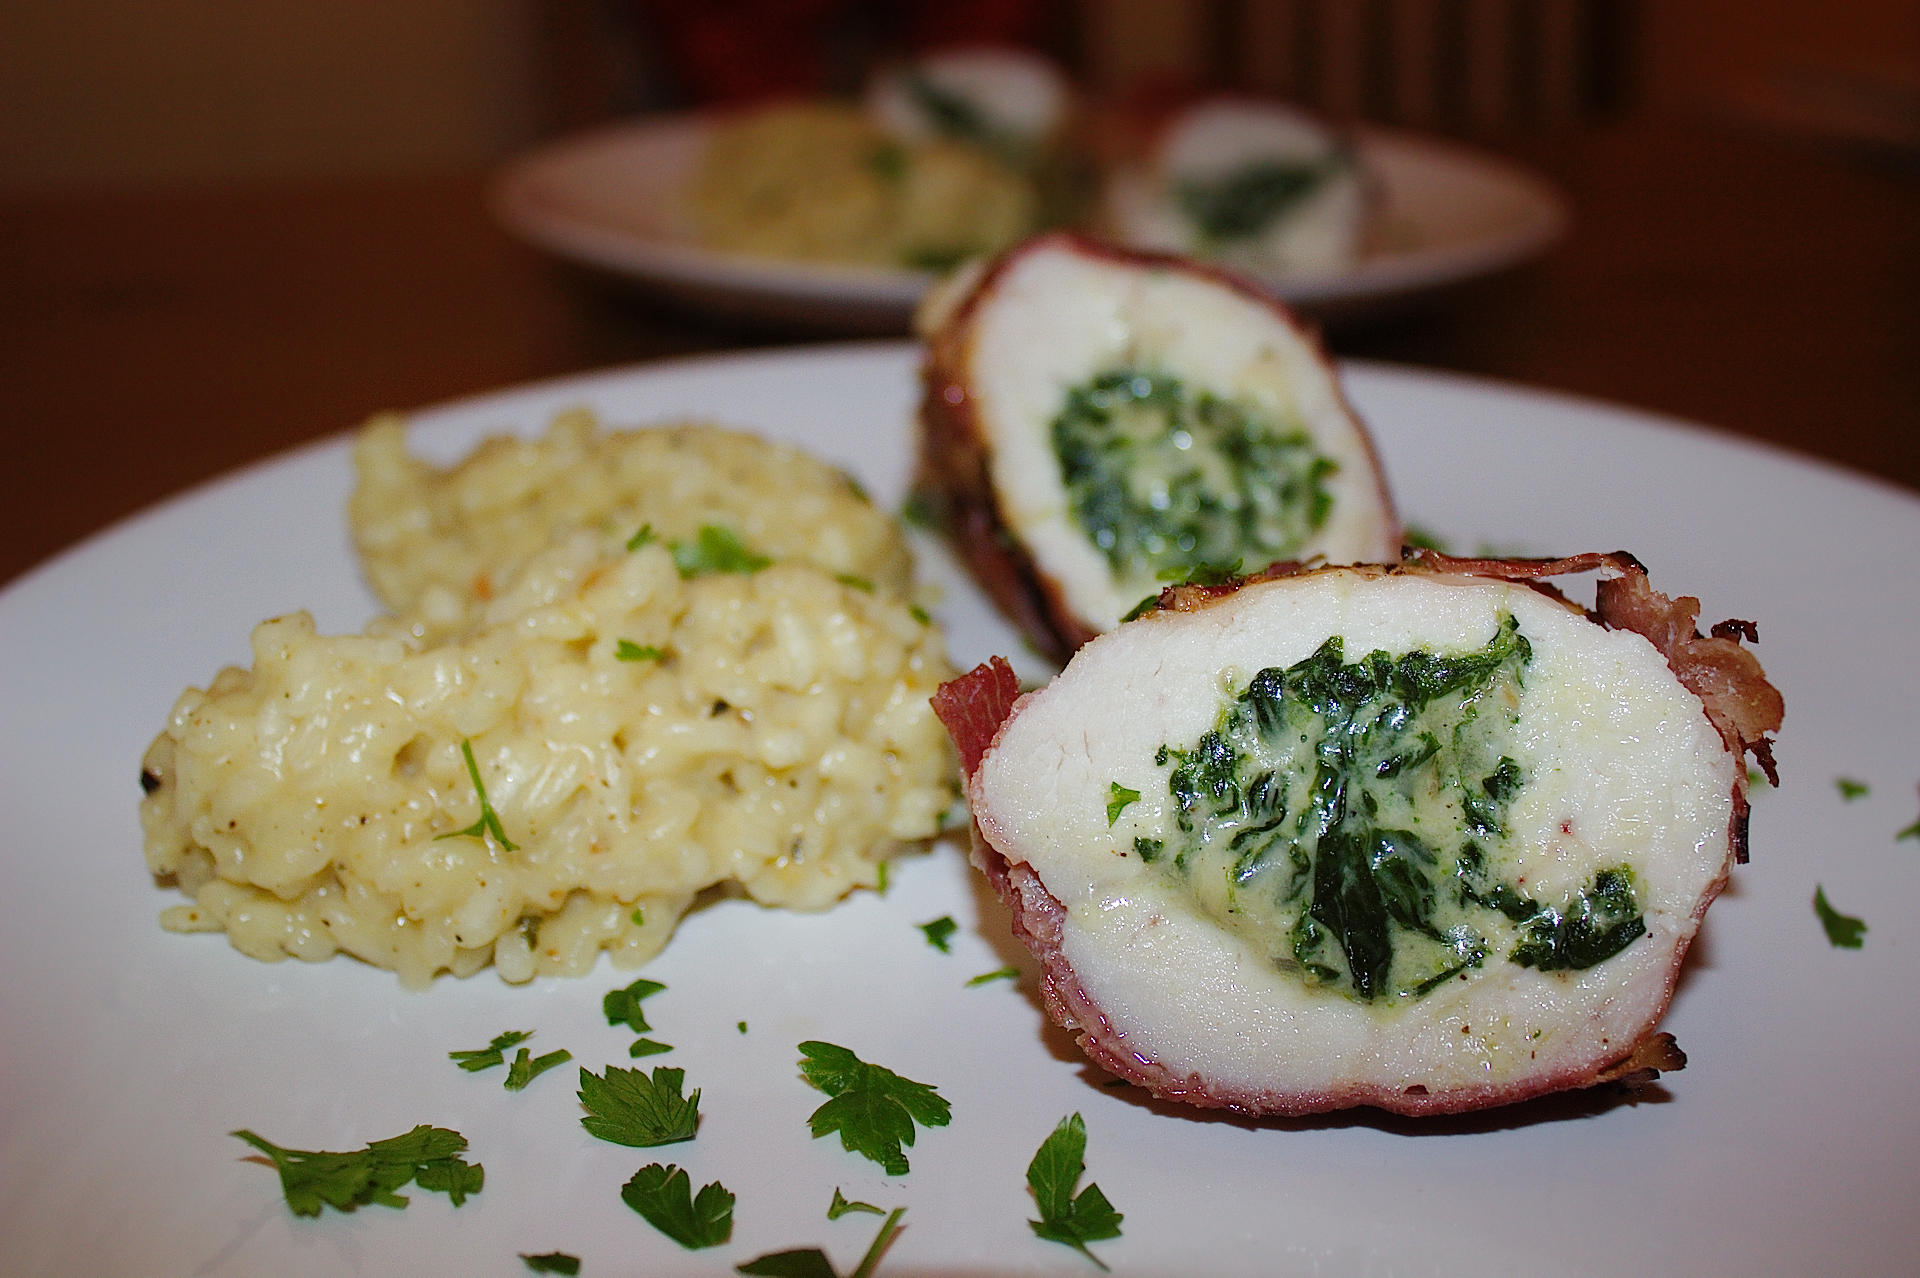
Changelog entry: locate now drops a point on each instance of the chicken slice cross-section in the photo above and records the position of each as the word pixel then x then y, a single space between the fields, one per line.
pixel 1097 423
pixel 1424 837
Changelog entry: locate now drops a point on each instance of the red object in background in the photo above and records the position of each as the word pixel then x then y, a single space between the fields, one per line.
pixel 741 50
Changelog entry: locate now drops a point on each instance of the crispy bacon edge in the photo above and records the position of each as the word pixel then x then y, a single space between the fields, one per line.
pixel 1734 693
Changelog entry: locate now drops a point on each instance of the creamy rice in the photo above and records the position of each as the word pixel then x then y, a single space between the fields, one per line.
pixel 818 182
pixel 767 729
pixel 441 542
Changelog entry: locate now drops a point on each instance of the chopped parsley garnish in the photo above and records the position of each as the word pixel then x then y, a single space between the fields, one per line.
pixel 1911 832
pixel 716 549
pixel 648 1047
pixel 642 538
pixel 873 1108
pixel 526 1066
pixel 628 650
pixel 841 1205
pixel 921 509
pixel 639 917
pixel 1850 789
pixel 939 933
pixel 856 582
pixel 551 1262
pixel 1067 1217
pixel 811 1262
pixel 1164 478
pixel 1843 930
pixel 622 1006
pixel 492 1054
pixel 1118 800
pixel 629 1108
pixel 426 1156
pixel 664 1196
pixel 920 614
pixel 489 822
pixel 997 974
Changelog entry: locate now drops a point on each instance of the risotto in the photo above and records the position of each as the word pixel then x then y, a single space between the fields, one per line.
pixel 815 182
pixel 439 543
pixel 560 763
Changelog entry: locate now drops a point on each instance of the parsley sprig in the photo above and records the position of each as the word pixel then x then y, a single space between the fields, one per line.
pixel 841 1205
pixel 494 1053
pixel 1066 1217
pixel 526 1066
pixel 551 1262
pixel 811 1262
pixel 628 1107
pixel 664 1196
pixel 873 1108
pixel 716 549
pixel 426 1156
pixel 622 1007
pixel 489 822
pixel 1843 930
pixel 939 932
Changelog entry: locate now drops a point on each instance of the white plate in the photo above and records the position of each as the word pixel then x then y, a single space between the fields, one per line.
pixel 1789 1145
pixel 612 200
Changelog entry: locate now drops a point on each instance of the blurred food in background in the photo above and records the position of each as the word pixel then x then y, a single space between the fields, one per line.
pixel 821 182
pixel 962 152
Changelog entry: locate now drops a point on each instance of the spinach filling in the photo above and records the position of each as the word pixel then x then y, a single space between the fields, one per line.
pixel 1167 481
pixel 1246 201
pixel 1347 816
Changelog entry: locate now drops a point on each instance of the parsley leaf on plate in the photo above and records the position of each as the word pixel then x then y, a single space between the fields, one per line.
pixel 1066 1217
pixel 526 1066
pixel 873 1108
pixel 428 1156
pixel 1843 930
pixel 811 1262
pixel 551 1262
pixel 629 1108
pixel 492 1054
pixel 664 1195
pixel 622 1006
pixel 1119 799
pixel 841 1205
pixel 628 650
pixel 648 1047
pixel 997 974
pixel 939 933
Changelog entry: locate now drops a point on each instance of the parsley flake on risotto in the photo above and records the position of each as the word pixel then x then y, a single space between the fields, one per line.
pixel 1426 837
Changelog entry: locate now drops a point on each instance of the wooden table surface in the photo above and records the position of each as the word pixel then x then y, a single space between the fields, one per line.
pixel 152 340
